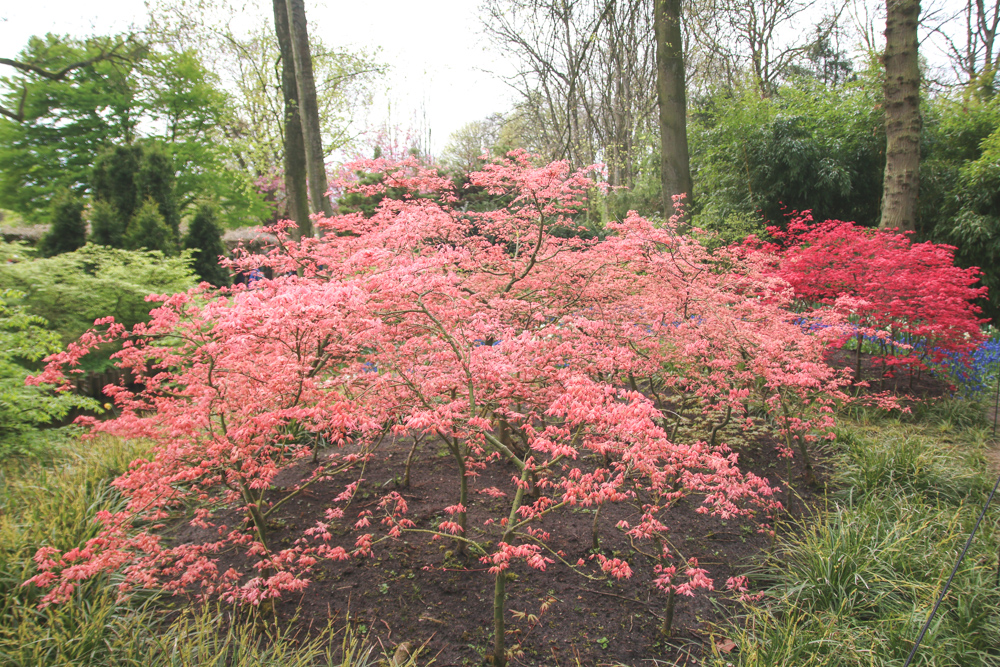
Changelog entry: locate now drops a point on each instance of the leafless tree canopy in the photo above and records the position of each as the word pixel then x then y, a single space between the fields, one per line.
pixel 586 76
pixel 974 50
pixel 759 39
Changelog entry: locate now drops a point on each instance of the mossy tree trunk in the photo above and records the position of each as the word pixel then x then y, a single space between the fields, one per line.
pixel 295 151
pixel 308 107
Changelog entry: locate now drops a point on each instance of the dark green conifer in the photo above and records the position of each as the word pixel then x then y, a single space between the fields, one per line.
pixel 106 225
pixel 149 230
pixel 114 179
pixel 125 176
pixel 68 231
pixel 155 178
pixel 205 238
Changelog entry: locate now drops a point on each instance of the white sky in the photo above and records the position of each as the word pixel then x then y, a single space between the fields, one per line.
pixel 440 61
pixel 437 54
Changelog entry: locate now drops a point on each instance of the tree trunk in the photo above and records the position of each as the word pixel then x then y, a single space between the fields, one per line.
pixel 675 170
pixel 297 198
pixel 902 116
pixel 309 109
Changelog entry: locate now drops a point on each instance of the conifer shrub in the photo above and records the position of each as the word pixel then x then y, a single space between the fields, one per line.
pixel 204 239
pixel 149 230
pixel 106 225
pixel 68 231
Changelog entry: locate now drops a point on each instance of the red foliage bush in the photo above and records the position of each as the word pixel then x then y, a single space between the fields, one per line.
pixel 909 296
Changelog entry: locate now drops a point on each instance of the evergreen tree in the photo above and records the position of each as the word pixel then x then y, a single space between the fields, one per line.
pixel 147 229
pixel 125 176
pixel 155 178
pixel 114 179
pixel 106 225
pixel 68 231
pixel 204 238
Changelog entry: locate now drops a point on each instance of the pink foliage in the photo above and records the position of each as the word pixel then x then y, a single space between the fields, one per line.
pixel 553 358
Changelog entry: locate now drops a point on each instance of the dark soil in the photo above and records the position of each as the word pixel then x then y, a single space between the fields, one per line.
pixel 904 382
pixel 425 592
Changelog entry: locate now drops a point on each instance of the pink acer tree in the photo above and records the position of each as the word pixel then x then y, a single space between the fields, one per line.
pixel 558 360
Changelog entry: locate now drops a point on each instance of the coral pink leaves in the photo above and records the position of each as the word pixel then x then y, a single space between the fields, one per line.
pixel 498 338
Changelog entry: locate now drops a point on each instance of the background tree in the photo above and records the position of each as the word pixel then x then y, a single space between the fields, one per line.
pixel 759 40
pixel 186 104
pixel 113 180
pixel 470 142
pixel 675 170
pixel 308 108
pixel 251 61
pixel 148 230
pixel 98 49
pixel 294 153
pixel 106 225
pixel 65 123
pixel 577 71
pixel 975 52
pixel 169 99
pixel 902 116
pixel 126 176
pixel 204 240
pixel 68 231
pixel 156 180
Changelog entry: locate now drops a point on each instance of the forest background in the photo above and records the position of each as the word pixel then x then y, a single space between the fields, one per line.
pixel 785 110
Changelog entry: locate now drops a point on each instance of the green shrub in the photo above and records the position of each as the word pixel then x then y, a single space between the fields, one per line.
pixel 147 230
pixel 25 408
pixel 68 231
pixel 71 290
pixel 106 225
pixel 204 240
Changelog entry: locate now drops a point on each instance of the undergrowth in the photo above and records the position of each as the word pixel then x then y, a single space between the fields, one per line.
pixel 854 584
pixel 851 586
pixel 55 504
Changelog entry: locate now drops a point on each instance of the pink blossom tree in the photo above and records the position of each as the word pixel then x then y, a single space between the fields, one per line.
pixel 554 358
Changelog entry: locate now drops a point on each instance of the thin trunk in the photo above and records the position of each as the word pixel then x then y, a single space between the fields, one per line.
pixel 500 586
pixel 309 109
pixel 463 498
pixel 668 616
pixel 409 463
pixel 675 169
pixel 902 116
pixel 297 199
pixel 857 360
pixel 595 534
pixel 499 629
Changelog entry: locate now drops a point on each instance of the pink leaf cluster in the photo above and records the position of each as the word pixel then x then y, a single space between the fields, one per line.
pixel 554 358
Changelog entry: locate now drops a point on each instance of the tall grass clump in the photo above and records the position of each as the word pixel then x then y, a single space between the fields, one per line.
pixel 54 503
pixel 854 584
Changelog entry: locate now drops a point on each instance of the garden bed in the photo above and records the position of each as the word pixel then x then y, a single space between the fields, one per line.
pixel 426 592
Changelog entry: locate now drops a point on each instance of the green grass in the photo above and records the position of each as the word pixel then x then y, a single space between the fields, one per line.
pixel 54 503
pixel 855 584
